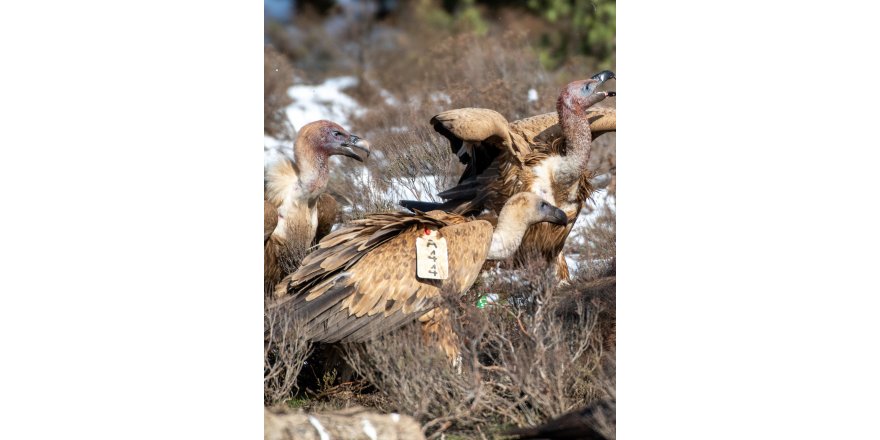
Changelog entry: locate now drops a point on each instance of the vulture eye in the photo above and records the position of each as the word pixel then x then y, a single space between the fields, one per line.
pixel 337 134
pixel 543 205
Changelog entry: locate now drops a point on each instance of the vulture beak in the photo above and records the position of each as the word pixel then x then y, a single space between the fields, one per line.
pixel 603 76
pixel 554 215
pixel 598 80
pixel 353 143
pixel 558 217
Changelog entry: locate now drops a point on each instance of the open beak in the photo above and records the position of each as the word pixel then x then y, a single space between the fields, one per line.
pixel 600 79
pixel 353 143
pixel 557 216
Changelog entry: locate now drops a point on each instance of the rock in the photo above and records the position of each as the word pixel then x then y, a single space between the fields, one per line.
pixel 351 423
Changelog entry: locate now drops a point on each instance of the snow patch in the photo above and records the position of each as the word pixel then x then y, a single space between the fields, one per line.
pixel 275 150
pixel 533 95
pixel 441 98
pixel 312 102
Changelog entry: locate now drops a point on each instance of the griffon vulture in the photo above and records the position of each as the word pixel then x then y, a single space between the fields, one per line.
pixel 536 154
pixel 295 189
pixel 362 279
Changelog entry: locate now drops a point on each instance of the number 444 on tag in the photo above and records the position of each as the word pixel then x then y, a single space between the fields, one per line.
pixel 431 258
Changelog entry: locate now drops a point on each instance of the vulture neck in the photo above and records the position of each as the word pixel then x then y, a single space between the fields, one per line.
pixel 312 170
pixel 508 233
pixel 576 129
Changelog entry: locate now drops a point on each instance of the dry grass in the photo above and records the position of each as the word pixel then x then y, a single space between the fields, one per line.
pixel 538 353
pixel 285 351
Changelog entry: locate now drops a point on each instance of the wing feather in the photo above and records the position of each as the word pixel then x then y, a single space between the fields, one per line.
pixel 352 290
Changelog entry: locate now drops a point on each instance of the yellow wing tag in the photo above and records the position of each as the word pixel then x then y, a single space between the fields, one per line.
pixel 432 261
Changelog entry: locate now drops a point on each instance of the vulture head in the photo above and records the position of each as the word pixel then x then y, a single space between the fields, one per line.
pixel 580 95
pixel 321 139
pixel 519 212
pixel 572 105
pixel 294 187
pixel 532 208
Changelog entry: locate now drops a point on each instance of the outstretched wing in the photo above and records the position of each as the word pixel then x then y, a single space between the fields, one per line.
pixel 481 181
pixel 361 281
pixel 478 136
pixel 543 129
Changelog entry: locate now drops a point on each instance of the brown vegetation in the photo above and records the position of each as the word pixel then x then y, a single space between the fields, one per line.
pixel 537 353
pixel 285 350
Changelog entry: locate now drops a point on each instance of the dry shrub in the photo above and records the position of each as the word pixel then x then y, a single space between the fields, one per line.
pixel 277 78
pixel 313 50
pixel 285 350
pixel 285 347
pixel 535 354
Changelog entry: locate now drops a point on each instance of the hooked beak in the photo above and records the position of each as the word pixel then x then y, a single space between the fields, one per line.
pixel 603 76
pixel 557 216
pixel 600 79
pixel 353 143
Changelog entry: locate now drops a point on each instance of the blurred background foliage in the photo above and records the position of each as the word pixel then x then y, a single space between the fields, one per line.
pixel 558 30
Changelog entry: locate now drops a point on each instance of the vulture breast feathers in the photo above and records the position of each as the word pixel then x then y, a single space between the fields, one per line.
pixel 361 280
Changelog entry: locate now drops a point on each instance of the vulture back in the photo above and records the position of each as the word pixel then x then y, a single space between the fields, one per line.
pixel 361 281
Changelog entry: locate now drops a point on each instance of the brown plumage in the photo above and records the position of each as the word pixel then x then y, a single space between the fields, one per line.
pixel 296 189
pixel 361 280
pixel 537 154
pixel 328 212
pixel 270 219
pixel 596 421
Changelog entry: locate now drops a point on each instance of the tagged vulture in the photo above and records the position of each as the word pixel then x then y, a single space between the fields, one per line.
pixel 295 190
pixel 536 154
pixel 362 279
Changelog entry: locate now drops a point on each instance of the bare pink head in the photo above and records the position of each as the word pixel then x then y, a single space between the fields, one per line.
pixel 580 95
pixel 321 139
